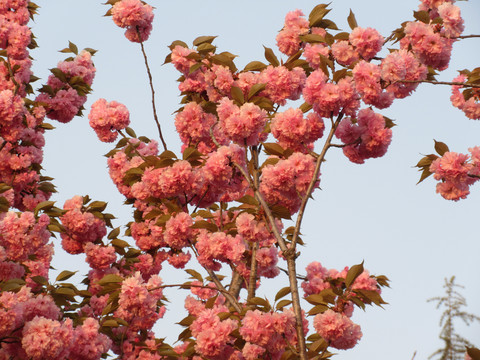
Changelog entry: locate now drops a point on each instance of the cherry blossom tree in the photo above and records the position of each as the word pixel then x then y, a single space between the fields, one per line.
pixel 233 198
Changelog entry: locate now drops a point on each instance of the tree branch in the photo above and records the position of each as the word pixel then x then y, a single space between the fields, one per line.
pixel 153 94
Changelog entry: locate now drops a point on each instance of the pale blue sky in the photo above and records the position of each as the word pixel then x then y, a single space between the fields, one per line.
pixel 372 212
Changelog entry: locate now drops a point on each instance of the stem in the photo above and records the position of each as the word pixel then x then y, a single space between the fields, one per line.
pixel 466 36
pixel 290 256
pixel 311 186
pixel 292 277
pixel 252 281
pixel 440 83
pixel 153 95
pixel 229 296
pixel 12 75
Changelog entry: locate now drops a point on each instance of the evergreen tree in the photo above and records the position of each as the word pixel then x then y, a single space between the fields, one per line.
pixel 454 303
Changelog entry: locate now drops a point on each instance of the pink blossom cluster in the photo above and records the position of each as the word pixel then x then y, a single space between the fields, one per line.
pixel 282 84
pixel 24 246
pixel 288 39
pixel 119 163
pixel 134 16
pixel 296 132
pixel 402 65
pixel 268 333
pixel 367 42
pixel 34 319
pixel 329 99
pixel 243 125
pixel 193 125
pixel 139 302
pixel 81 227
pixel 470 107
pixel 456 172
pixel 107 118
pixel 364 137
pixel 15 35
pixel 337 329
pixel 367 77
pixel 286 182
pixel 63 98
pixel 212 334
pixel 217 247
pixel 430 47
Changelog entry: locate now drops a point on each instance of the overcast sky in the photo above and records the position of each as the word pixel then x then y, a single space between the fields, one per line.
pixel 372 212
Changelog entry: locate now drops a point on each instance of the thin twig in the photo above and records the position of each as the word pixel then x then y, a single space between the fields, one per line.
pixel 153 94
pixel 311 186
pixel 466 36
pixel 439 83
pixel 229 296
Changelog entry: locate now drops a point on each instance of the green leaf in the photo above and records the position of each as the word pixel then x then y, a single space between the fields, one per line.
pixel 283 292
pixel 110 278
pixel 353 273
pixel 44 205
pixel 282 304
pixel 259 302
pixel 194 274
pixel 248 199
pixel 73 47
pixel 202 224
pixel 119 243
pixel 474 353
pixel 440 147
pixel 203 40
pixel 422 16
pixel 270 56
pixel 40 280
pixel 313 38
pixel 64 275
pixel 114 233
pixel 273 149
pixel 255 89
pixel 130 132
pixel 110 323
pixel 237 95
pixel 281 212
pixel 318 309
pixel 317 15
pixel 255 66
pixel 352 22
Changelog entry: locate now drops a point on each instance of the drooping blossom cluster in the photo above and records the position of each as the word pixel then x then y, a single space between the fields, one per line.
pixel 470 107
pixel 339 330
pixel 107 118
pixel 139 302
pixel 288 39
pixel 286 182
pixel 364 137
pixel 134 16
pixel 66 89
pixel 456 172
pixel 269 332
pixel 81 227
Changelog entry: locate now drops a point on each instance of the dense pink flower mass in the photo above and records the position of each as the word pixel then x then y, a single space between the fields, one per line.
pixel 430 47
pixel 367 42
pixel 106 118
pixel 456 173
pixel 81 227
pixel 47 339
pixel 243 125
pixel 402 65
pixel 65 100
pixel 367 138
pixel 288 39
pixel 294 131
pixel 287 181
pixel 212 334
pixel 136 17
pixel 470 107
pixel 282 84
pixel 337 329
